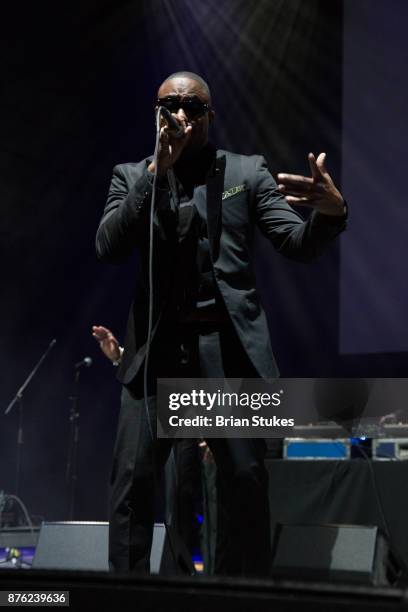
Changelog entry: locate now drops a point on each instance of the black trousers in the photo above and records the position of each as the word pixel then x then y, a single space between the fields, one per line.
pixel 183 491
pixel 243 530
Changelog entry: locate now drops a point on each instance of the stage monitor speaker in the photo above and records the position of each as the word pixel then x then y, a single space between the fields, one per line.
pixel 72 545
pixel 344 553
pixel 19 537
pixel 84 546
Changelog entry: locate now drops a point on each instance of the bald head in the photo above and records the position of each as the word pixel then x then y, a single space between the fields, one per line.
pixel 192 76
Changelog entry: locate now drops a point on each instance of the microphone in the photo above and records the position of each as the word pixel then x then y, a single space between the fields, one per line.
pixel 174 126
pixel 86 363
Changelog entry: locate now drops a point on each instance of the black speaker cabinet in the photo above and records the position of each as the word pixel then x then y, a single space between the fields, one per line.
pixel 84 546
pixel 343 553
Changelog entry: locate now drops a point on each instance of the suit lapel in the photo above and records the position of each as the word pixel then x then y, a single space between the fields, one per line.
pixel 215 188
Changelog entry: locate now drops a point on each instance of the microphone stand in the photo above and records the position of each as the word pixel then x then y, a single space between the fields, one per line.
pixel 18 399
pixel 71 474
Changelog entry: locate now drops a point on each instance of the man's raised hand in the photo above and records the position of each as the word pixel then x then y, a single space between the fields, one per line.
pixel 318 191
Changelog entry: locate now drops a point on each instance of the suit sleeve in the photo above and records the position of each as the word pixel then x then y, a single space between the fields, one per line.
pixel 125 221
pixel 284 227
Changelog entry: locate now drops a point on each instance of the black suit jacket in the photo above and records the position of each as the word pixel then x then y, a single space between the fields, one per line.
pixel 240 194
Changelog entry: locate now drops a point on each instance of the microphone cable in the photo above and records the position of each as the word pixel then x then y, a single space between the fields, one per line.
pixel 150 282
pixel 149 338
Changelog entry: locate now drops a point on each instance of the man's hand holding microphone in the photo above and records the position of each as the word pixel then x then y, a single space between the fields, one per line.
pixel 173 139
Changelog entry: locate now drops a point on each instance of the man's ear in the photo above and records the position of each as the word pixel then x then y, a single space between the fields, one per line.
pixel 211 115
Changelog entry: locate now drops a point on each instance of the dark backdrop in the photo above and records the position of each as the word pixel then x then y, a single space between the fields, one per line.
pixel 79 80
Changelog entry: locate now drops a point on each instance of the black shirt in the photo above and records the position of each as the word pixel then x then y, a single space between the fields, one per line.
pixel 195 294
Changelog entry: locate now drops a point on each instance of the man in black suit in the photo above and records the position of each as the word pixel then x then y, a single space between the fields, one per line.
pixel 207 317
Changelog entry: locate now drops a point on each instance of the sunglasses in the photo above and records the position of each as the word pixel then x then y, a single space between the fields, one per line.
pixel 192 106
